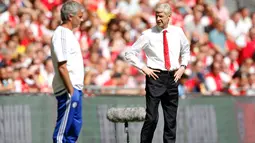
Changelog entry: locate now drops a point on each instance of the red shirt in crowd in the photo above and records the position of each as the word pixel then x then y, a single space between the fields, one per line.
pixel 248 51
pixel 51 3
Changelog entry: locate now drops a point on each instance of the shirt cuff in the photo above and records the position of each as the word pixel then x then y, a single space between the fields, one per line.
pixel 140 66
pixel 185 63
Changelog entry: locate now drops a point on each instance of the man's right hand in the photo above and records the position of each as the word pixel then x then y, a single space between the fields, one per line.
pixel 71 91
pixel 150 72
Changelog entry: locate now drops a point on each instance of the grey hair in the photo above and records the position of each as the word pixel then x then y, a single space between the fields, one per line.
pixel 70 8
pixel 163 7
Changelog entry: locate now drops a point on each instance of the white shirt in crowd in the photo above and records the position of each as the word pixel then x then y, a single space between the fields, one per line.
pixel 211 83
pixel 65 47
pixel 238 31
pixel 151 42
pixel 234 29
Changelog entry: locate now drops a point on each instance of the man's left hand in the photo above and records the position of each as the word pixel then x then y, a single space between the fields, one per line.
pixel 178 74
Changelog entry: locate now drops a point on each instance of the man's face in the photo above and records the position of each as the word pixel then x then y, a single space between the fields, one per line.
pixel 236 17
pixel 216 68
pixel 162 19
pixel 220 3
pixel 246 12
pixel 77 19
pixel 253 19
pixel 197 15
pixel 252 34
pixel 13 9
pixel 220 27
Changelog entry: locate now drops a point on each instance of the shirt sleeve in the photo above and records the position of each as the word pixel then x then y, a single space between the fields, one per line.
pixel 185 49
pixel 229 27
pixel 131 55
pixel 60 46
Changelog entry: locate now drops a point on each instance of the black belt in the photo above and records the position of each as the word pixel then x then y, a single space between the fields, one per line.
pixel 165 71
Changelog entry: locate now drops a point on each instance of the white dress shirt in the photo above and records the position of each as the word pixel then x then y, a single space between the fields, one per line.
pixel 151 42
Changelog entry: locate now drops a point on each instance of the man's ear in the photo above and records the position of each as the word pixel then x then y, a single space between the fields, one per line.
pixel 70 17
pixel 169 16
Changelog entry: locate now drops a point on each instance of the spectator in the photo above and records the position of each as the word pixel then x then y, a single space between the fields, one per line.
pixel 6 83
pixel 218 38
pixel 182 88
pixel 249 50
pixel 22 80
pixel 253 19
pixel 128 8
pixel 107 12
pixel 196 80
pixel 231 62
pixel 251 89
pixel 47 72
pixel 10 18
pixel 195 25
pixel 234 26
pixel 104 74
pixel 213 80
pixel 245 19
pixel 221 11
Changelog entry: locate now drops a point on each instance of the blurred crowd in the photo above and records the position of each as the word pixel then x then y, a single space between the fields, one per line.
pixel 222 45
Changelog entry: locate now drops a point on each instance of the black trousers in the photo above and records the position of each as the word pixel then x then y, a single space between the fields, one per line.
pixel 164 89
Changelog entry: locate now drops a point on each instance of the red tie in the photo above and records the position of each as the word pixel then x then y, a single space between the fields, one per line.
pixel 166 51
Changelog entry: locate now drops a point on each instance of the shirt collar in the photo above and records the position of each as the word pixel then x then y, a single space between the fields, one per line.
pixel 161 29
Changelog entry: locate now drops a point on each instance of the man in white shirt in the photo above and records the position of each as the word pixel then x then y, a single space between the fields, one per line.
pixel 69 74
pixel 163 45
